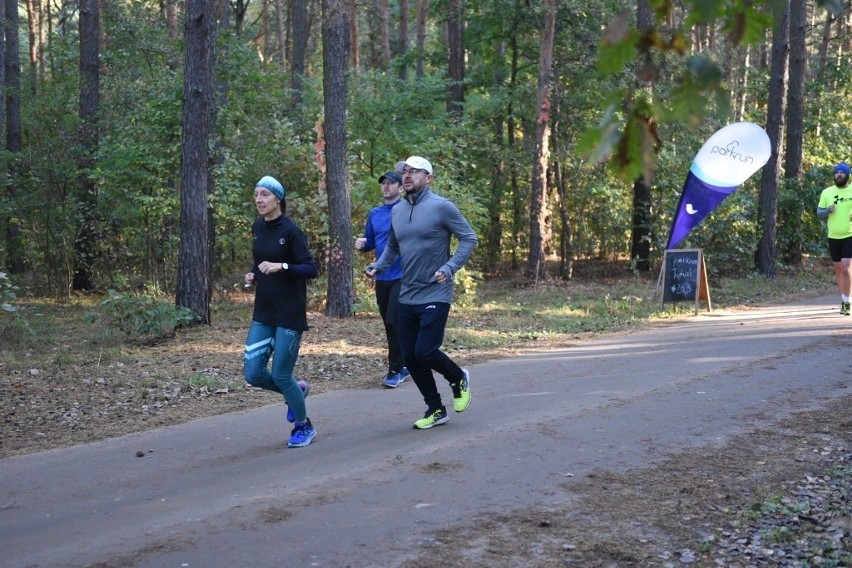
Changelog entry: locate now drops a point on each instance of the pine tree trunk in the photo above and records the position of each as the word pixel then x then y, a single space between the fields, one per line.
pixel 495 204
pixel 640 234
pixel 517 199
pixel 171 19
pixel 765 257
pixel 194 286
pixel 299 30
pixel 566 237
pixel 33 21
pixel 384 31
pixel 539 207
pixel 402 50
pixel 280 42
pixel 793 219
pixel 341 291
pixel 12 88
pixel 354 48
pixel 422 10
pixel 86 240
pixel 265 36
pixel 455 57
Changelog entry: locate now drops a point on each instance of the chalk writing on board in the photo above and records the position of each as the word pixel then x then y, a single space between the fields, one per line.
pixel 683 273
pixel 681 276
pixel 684 277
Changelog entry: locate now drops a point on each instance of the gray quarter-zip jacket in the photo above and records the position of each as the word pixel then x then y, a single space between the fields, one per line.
pixel 420 231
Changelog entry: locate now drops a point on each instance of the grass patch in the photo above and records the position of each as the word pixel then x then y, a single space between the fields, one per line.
pixel 755 289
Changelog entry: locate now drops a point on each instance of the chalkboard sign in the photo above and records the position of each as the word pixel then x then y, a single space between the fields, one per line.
pixel 684 277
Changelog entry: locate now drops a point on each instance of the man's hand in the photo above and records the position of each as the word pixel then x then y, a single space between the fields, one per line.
pixel 360 243
pixel 370 272
pixel 441 277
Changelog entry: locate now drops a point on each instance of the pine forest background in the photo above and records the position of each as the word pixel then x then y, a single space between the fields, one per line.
pixel 134 131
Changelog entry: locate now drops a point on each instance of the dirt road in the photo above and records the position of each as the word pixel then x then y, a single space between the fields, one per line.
pixel 371 491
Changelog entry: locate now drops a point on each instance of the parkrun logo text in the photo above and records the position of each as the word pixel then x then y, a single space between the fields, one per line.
pixel 731 151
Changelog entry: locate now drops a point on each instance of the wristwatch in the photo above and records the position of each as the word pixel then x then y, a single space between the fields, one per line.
pixel 284 266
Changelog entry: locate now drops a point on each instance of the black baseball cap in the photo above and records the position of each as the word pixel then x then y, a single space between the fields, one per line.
pixel 391 175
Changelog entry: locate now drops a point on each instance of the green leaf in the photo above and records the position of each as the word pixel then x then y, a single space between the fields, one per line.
pixel 613 57
pixel 688 100
pixel 747 25
pixel 704 12
pixel 704 72
pixel 597 144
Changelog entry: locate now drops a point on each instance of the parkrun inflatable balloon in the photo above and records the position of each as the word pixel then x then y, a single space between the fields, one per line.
pixel 725 161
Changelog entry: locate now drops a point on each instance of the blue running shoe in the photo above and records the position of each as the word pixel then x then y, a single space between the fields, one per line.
pixel 404 374
pixel 306 388
pixel 302 435
pixel 393 380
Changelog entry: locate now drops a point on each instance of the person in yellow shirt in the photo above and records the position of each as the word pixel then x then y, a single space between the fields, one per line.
pixel 835 206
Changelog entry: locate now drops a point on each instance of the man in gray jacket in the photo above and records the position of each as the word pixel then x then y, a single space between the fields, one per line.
pixel 421 227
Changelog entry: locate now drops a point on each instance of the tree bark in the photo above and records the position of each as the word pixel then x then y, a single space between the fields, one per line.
pixel 566 236
pixel 43 17
pixel 640 233
pixel 794 127
pixel 354 47
pixel 422 9
pixel 765 257
pixel 455 58
pixel 341 291
pixel 86 241
pixel 265 35
pixel 217 159
pixel 539 208
pixel 742 101
pixel 33 22
pixel 3 63
pixel 402 49
pixel 280 42
pixel 194 286
pixel 826 39
pixel 12 88
pixel 299 29
pixel 240 9
pixel 224 14
pixel 384 33
pixel 495 204
pixel 517 199
pixel 171 19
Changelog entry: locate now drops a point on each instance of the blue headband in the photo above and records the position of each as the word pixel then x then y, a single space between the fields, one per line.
pixel 273 185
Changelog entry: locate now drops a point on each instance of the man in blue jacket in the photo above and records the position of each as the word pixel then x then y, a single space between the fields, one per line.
pixel 375 237
pixel 422 225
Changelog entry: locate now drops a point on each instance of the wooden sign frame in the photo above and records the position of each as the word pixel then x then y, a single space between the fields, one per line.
pixel 683 277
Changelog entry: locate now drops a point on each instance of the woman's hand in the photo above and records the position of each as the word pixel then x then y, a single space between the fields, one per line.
pixel 269 267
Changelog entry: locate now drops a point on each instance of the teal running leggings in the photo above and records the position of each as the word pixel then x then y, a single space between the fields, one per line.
pixel 262 341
